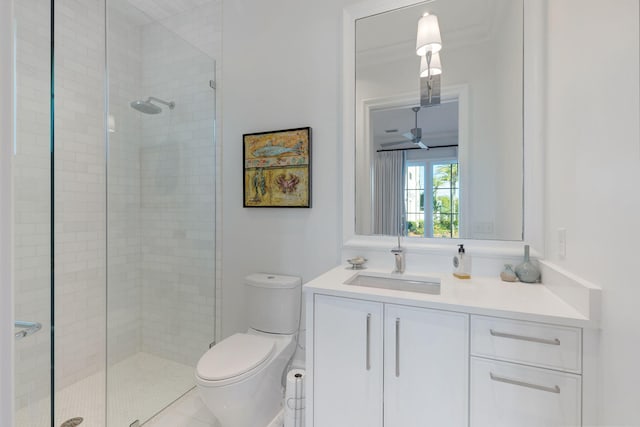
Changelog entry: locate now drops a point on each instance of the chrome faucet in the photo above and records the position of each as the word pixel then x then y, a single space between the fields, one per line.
pixel 398 253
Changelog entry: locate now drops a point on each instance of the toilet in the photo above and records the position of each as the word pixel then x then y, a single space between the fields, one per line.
pixel 240 378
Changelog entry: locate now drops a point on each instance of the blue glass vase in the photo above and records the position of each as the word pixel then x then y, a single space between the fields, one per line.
pixel 527 272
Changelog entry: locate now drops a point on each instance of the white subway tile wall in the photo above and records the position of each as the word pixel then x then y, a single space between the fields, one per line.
pixel 31 187
pixel 80 198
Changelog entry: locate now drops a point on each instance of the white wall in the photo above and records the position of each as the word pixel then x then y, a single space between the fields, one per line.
pixel 593 171
pixel 280 71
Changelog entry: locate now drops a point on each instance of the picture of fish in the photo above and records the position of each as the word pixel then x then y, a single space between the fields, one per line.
pixel 277 150
pixel 277 168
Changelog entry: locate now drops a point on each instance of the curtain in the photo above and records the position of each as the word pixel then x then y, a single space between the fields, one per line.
pixel 388 193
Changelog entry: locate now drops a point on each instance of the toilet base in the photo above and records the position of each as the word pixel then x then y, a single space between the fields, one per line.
pixel 255 400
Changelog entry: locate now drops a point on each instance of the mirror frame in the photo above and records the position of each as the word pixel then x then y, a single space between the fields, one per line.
pixel 534 88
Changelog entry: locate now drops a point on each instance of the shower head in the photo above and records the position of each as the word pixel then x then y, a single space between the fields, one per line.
pixel 148 108
pixel 145 107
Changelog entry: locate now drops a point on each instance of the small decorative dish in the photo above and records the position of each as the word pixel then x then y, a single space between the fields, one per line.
pixel 357 263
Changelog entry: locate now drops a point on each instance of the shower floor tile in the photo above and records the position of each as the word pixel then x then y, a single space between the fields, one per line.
pixel 138 387
pixel 141 385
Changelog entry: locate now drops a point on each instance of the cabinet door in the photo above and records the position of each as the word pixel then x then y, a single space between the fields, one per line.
pixel 426 367
pixel 347 363
pixel 506 395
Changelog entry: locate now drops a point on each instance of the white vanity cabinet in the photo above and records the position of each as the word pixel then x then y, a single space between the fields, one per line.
pixel 524 374
pixel 347 362
pixel 378 364
pixel 481 353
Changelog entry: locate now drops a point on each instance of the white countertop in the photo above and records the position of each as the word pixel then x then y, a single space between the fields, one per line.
pixel 478 295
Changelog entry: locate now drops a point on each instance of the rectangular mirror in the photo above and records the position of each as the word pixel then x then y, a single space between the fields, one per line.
pixel 451 170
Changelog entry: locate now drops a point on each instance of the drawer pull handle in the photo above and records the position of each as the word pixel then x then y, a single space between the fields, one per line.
pixel 368 351
pixel 397 347
pixel 554 389
pixel 554 341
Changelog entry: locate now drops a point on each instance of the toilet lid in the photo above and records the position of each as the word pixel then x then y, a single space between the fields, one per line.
pixel 234 356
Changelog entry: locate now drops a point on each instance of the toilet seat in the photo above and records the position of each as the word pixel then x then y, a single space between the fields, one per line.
pixel 235 356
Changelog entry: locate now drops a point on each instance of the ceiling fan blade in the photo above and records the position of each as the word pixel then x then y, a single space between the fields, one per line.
pixel 415 133
pixel 393 144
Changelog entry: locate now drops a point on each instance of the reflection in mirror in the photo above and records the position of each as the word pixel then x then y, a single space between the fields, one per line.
pixel 451 170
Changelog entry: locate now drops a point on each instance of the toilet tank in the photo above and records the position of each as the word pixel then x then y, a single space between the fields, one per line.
pixel 273 302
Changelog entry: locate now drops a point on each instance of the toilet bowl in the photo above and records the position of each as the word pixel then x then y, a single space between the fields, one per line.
pixel 240 378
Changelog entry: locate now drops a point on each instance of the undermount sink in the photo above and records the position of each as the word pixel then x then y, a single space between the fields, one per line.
pixel 398 282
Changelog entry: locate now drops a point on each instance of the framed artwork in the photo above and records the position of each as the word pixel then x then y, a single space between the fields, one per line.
pixel 277 169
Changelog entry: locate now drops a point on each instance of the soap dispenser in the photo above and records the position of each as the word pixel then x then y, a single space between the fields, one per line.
pixel 462 264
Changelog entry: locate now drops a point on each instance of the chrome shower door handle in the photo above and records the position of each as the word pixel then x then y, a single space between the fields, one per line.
pixel 26 328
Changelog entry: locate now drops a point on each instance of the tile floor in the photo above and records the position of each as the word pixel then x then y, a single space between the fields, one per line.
pixel 138 386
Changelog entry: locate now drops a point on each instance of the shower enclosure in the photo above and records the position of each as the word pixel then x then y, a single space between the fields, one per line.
pixel 114 176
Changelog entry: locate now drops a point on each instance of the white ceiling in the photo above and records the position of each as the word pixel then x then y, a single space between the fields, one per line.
pixel 462 22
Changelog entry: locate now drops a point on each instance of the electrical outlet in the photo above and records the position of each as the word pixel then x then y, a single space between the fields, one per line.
pixel 483 227
pixel 562 242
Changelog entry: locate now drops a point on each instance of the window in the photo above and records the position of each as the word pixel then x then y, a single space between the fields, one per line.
pixel 445 199
pixel 440 181
pixel 414 199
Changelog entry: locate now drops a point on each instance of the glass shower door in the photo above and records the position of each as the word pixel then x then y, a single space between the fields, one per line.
pixel 161 212
pixel 32 273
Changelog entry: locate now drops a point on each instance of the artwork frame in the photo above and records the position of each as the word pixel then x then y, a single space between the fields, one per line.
pixel 276 170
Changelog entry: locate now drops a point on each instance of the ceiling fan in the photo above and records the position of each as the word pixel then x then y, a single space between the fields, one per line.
pixel 413 136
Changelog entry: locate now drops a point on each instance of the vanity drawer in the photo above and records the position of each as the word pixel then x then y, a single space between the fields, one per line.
pixel 539 344
pixel 506 395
